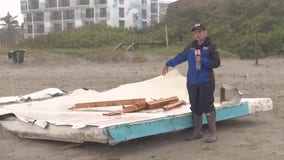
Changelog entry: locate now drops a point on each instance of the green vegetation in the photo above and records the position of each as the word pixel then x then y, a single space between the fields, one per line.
pixel 92 36
pixel 232 25
pixel 8 33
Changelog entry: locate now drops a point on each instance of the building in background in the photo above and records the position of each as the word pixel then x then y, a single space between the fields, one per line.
pixel 44 16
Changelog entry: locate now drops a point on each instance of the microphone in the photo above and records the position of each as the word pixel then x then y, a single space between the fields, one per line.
pixel 198 64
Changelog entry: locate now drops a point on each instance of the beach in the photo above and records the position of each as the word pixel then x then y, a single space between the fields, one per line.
pixel 252 137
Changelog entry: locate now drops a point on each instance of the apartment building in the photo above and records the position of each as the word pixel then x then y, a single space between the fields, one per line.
pixel 44 16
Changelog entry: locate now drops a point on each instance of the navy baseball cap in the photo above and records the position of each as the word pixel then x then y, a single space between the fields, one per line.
pixel 198 26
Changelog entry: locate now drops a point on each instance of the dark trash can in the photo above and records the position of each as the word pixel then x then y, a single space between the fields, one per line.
pixel 17 56
pixel 12 55
pixel 21 55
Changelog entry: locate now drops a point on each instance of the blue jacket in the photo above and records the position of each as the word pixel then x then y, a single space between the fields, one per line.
pixel 209 59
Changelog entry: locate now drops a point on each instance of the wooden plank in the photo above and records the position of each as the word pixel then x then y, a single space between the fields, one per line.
pixel 174 105
pixel 133 108
pixel 161 102
pixel 112 113
pixel 140 101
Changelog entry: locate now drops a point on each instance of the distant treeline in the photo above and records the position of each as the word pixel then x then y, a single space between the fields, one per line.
pixel 233 26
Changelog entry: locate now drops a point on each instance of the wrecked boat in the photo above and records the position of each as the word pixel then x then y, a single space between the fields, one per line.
pixel 155 106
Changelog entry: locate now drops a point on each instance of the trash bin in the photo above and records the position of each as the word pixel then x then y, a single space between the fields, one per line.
pixel 20 55
pixel 13 55
pixel 17 56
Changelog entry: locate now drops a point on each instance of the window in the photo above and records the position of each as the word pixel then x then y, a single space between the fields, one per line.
pixel 144 13
pixel 57 27
pixel 83 2
pixel 55 15
pixel 103 1
pixel 121 12
pixel 90 13
pixel 39 28
pixel 144 3
pixel 163 8
pixel 24 5
pixel 63 3
pixel 29 17
pixel 30 28
pixel 103 12
pixel 33 4
pixel 51 4
pixel 121 2
pixel 68 14
pixel 38 16
pixel 100 1
pixel 154 8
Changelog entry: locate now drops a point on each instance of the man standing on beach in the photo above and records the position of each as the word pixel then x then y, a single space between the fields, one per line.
pixel 202 56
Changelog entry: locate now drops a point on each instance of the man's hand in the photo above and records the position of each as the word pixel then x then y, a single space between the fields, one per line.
pixel 165 70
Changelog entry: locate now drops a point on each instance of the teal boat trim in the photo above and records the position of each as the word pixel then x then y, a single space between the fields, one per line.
pixel 129 131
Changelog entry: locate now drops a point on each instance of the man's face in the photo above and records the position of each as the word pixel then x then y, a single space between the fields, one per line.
pixel 199 35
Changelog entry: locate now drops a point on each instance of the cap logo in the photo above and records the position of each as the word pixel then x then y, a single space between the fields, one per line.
pixel 197 25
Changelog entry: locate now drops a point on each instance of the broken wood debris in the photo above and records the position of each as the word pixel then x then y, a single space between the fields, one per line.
pixel 133 105
pixel 140 101
pixel 174 105
pixel 161 102
pixel 133 108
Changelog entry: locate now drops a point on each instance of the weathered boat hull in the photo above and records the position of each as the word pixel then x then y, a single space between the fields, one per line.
pixel 113 134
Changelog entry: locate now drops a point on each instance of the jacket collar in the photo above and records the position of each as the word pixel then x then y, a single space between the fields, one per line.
pixel 205 43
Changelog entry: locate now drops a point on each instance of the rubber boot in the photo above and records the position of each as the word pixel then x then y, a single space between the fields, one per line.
pixel 197 124
pixel 211 118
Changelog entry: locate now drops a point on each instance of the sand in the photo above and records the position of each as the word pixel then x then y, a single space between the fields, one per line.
pixel 253 137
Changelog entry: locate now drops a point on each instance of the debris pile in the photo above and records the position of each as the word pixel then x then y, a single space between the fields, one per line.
pixel 133 105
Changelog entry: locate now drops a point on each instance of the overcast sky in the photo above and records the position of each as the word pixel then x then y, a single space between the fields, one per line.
pixel 13 6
